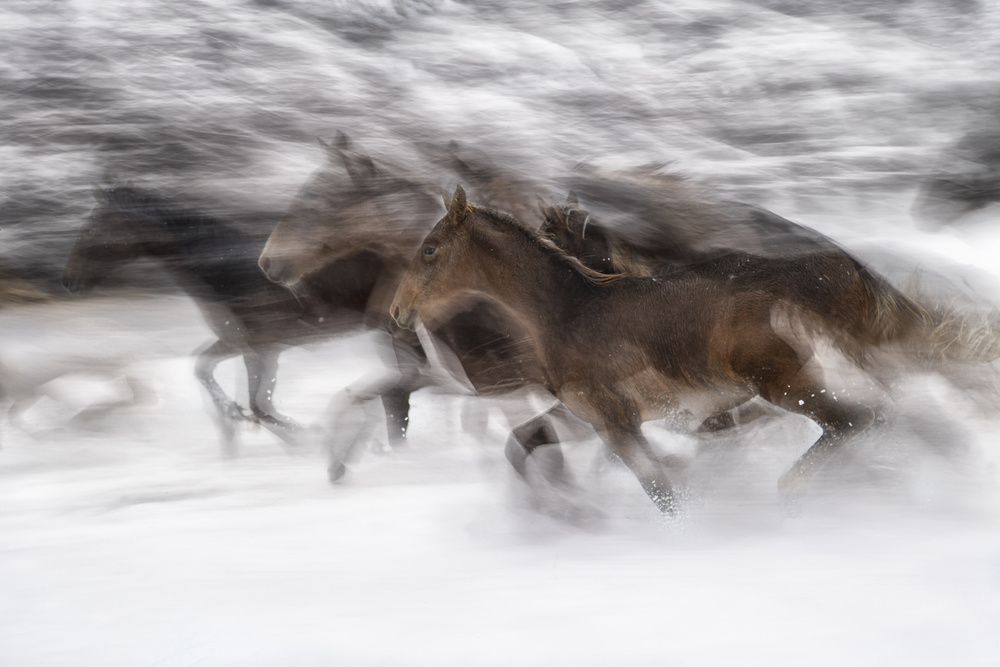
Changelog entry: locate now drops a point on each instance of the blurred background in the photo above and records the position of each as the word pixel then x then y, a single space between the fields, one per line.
pixel 808 108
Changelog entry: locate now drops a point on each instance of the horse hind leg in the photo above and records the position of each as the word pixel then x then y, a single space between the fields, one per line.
pixel 798 388
pixel 227 412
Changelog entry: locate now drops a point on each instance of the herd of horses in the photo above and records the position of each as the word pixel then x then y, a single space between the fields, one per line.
pixel 650 300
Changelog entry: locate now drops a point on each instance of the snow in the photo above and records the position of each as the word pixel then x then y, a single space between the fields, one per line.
pixel 129 540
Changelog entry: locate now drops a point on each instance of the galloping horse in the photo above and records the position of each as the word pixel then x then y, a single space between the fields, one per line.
pixel 216 265
pixel 383 210
pixel 620 350
pixel 660 221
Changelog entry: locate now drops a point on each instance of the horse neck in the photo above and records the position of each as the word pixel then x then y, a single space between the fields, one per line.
pixel 544 291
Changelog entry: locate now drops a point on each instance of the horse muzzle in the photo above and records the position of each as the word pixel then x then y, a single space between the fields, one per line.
pixel 404 317
pixel 278 270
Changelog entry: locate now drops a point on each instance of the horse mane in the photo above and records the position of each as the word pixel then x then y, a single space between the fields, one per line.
pixel 534 237
pixel 667 216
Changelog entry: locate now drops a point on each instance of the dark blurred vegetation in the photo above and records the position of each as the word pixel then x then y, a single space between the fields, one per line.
pixel 781 102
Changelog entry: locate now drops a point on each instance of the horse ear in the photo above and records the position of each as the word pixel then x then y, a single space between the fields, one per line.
pixel 572 200
pixel 360 168
pixel 459 205
pixel 343 141
pixel 331 152
pixel 543 206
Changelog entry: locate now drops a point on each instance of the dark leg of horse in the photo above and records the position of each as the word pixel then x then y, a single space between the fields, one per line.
pixel 627 442
pixel 262 371
pixel 396 403
pixel 227 411
pixel 718 422
pixel 840 423
pixel 622 434
pixel 411 361
pixel 534 433
pixel 792 386
pixel 742 414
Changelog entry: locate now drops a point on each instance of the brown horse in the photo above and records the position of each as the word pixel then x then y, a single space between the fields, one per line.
pixel 215 264
pixel 621 350
pixel 681 225
pixel 381 209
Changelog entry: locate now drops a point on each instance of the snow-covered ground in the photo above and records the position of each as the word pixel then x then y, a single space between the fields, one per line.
pixel 126 538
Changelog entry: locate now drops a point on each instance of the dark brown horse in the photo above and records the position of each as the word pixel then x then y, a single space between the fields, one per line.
pixel 216 265
pixel 662 221
pixel 671 223
pixel 354 205
pixel 621 350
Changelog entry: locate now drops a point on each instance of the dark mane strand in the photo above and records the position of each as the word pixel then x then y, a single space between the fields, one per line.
pixel 499 218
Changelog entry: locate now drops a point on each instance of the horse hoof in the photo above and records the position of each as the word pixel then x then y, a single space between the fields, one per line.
pixel 337 472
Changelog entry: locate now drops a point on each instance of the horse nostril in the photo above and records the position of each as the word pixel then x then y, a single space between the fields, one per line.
pixel 395 313
pixel 265 263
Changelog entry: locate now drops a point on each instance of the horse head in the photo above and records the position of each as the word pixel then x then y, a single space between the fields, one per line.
pixel 106 240
pixel 438 271
pixel 372 208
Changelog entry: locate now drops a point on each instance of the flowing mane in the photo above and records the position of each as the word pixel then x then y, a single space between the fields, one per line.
pixel 503 220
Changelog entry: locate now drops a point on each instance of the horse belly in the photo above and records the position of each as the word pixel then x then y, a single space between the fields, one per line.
pixel 659 396
pixel 650 395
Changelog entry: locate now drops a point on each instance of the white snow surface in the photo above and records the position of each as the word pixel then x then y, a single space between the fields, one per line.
pixel 125 539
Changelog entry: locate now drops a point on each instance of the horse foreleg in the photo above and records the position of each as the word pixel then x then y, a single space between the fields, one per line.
pixel 627 442
pixel 262 372
pixel 409 358
pixel 226 410
pixel 352 426
pixel 537 432
pixel 396 403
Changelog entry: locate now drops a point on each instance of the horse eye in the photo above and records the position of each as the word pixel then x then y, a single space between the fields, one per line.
pixel 429 250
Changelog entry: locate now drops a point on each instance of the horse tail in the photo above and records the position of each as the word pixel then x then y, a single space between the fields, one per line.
pixel 964 335
pixel 935 333
pixel 891 315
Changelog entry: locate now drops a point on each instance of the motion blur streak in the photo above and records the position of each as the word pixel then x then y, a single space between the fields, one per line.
pixel 125 538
